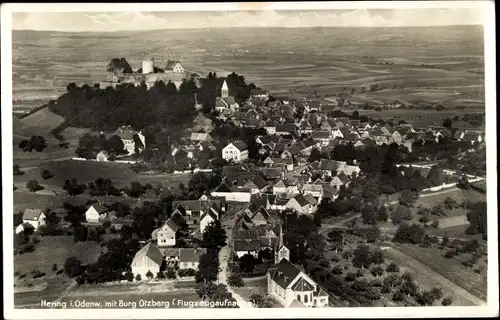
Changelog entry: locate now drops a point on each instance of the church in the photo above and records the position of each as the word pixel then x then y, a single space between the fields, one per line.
pixel 292 287
pixel 225 101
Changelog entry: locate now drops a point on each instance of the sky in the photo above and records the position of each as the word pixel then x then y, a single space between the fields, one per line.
pixel 143 21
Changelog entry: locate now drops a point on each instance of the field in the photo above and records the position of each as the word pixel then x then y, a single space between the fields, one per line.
pixel 452 269
pixel 429 275
pixel 55 249
pixel 87 171
pixel 443 65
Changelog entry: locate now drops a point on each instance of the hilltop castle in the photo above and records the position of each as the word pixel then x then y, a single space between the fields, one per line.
pixel 120 71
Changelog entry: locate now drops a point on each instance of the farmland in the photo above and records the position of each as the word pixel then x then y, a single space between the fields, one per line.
pixel 422 62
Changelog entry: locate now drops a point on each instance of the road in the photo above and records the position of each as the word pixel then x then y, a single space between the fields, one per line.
pixel 224 256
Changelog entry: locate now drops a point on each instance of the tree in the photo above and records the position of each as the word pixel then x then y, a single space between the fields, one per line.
pixel 17 171
pixel 247 263
pixel 409 234
pixel 382 214
pixel 46 174
pixel 361 257
pixel 372 234
pixel 73 267
pixel 355 114
pixel 235 280
pixel 369 215
pixel 199 183
pixel 135 190
pixel 400 213
pixel 54 267
pixel 115 145
pixel 214 236
pixel 447 301
pixel 478 218
pixel 447 123
pixel 149 275
pixel 171 273
pixel 392 267
pixel 258 301
pixel 33 186
pixel 205 290
pixel 377 271
pixel 408 198
pixel 138 277
pixel 208 267
pixel 315 155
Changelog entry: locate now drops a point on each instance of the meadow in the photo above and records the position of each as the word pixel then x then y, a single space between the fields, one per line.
pixel 443 65
pixel 87 171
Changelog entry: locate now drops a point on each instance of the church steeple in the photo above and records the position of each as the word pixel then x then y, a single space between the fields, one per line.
pixel 224 90
pixel 281 251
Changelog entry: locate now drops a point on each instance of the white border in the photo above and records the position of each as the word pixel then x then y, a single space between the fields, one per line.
pixel 411 312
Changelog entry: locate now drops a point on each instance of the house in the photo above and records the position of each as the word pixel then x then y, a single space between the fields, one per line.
pixel 189 258
pixel 208 217
pixel 336 182
pixel 331 167
pixel 322 137
pixel 285 186
pixel 259 94
pixel 256 185
pixel 236 151
pixel 302 204
pixel 200 136
pixel 175 66
pixel 102 156
pixel 147 259
pixel 34 217
pixel 127 135
pixel 232 194
pixel 96 212
pixel 192 210
pixel 472 137
pixel 290 286
pixel 316 190
pixel 167 233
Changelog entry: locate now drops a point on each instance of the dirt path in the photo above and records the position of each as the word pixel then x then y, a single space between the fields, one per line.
pixel 428 278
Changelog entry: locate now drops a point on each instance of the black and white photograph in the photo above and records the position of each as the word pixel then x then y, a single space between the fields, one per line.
pixel 211 157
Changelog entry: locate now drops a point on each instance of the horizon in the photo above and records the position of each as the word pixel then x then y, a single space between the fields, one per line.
pixel 128 21
pixel 253 27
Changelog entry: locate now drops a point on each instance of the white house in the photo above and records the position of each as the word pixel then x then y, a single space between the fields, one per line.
pixel 96 212
pixel 302 204
pixel 292 287
pixel 34 217
pixel 148 259
pixel 127 135
pixel 207 217
pixel 236 151
pixel 166 234
pixel 175 66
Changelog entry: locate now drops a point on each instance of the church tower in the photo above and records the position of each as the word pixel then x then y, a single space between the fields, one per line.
pixel 224 90
pixel 281 251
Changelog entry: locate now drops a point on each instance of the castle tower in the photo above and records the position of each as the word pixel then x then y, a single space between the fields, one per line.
pixel 148 66
pixel 224 90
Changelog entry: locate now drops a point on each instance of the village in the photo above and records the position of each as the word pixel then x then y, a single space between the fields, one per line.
pixel 264 171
